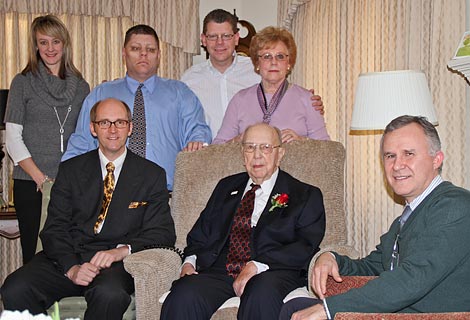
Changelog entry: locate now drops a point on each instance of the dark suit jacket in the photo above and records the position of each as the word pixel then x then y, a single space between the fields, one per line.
pixel 75 204
pixel 285 238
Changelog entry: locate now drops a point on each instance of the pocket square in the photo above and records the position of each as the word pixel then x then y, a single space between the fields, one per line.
pixel 136 204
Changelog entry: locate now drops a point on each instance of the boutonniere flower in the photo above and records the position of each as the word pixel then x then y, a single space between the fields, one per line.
pixel 279 201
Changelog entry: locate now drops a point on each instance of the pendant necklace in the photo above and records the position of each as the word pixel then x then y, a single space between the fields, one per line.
pixel 61 125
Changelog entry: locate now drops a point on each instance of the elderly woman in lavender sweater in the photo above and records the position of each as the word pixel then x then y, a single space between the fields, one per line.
pixel 274 100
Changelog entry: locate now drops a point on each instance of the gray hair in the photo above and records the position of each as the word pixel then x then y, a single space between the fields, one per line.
pixel 429 131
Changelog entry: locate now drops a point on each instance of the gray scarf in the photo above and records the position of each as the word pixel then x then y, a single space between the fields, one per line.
pixel 54 91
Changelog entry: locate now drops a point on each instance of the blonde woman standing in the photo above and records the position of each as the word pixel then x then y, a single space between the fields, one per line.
pixel 43 105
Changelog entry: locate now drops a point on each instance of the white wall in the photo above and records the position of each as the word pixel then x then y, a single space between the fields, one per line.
pixel 261 13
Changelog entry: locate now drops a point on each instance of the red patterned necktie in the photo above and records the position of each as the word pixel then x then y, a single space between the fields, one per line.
pixel 137 140
pixel 239 247
pixel 107 195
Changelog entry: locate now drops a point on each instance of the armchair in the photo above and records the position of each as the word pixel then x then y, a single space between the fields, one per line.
pixel 351 282
pixel 320 163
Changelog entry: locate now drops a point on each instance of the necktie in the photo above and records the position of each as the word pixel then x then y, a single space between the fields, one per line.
pixel 395 250
pixel 137 140
pixel 107 195
pixel 405 215
pixel 239 247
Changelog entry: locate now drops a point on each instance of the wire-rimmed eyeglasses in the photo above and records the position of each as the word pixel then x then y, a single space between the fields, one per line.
pixel 269 56
pixel 106 124
pixel 224 37
pixel 265 148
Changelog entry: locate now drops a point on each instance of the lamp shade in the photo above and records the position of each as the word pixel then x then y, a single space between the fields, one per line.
pixel 384 96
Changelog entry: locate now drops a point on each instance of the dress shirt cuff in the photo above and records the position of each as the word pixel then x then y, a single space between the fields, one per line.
pixel 125 245
pixel 191 260
pixel 261 267
pixel 327 311
pixel 15 144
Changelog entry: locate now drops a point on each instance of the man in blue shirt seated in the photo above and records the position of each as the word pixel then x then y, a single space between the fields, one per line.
pixel 174 118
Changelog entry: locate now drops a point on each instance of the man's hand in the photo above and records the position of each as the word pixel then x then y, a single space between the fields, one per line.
pixel 187 269
pixel 325 266
pixel 289 135
pixel 245 275
pixel 317 103
pixel 104 259
pixel 316 312
pixel 84 274
pixel 194 146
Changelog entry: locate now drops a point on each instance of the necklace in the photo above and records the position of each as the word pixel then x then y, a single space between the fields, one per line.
pixel 61 125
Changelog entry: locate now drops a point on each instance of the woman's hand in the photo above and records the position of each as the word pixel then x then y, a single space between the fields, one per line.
pixel 34 172
pixel 289 135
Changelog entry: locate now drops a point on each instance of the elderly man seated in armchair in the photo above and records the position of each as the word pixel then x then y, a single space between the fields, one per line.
pixel 254 239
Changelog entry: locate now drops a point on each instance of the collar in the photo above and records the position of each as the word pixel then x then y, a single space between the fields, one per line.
pixel 267 186
pixel 149 84
pixel 118 162
pixel 434 183
pixel 231 67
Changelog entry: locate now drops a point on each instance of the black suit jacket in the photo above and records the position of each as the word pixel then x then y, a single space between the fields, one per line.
pixel 285 238
pixel 75 204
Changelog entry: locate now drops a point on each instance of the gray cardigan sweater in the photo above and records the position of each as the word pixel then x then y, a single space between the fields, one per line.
pixel 31 103
pixel 433 274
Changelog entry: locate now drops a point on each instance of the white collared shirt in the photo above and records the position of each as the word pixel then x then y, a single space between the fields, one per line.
pixel 118 162
pixel 215 89
pixel 261 199
pixel 434 183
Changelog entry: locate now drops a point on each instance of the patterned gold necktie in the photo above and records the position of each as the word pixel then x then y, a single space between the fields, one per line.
pixel 239 252
pixel 108 194
pixel 138 138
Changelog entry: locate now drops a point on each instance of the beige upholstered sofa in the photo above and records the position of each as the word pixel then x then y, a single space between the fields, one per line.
pixel 320 163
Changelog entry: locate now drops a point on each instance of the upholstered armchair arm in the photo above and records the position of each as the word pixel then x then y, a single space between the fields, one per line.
pixel 403 316
pixel 343 250
pixel 350 282
pixel 153 271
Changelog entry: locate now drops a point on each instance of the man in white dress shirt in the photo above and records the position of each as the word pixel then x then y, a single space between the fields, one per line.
pixel 216 80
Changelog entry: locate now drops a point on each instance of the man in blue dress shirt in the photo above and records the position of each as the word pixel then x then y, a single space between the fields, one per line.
pixel 174 115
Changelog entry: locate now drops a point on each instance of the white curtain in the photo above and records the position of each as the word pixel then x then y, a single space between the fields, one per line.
pixel 97 29
pixel 337 40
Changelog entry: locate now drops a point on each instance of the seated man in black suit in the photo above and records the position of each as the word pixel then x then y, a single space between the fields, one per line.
pixel 257 247
pixel 92 225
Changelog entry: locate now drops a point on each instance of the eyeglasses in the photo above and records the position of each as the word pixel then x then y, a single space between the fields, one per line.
pixel 106 124
pixel 264 148
pixel 270 56
pixel 224 37
pixel 395 254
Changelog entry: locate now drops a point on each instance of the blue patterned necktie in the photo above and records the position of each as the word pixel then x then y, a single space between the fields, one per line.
pixel 138 139
pixel 240 233
pixel 405 215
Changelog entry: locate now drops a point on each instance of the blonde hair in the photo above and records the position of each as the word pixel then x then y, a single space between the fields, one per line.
pixel 53 27
pixel 268 37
